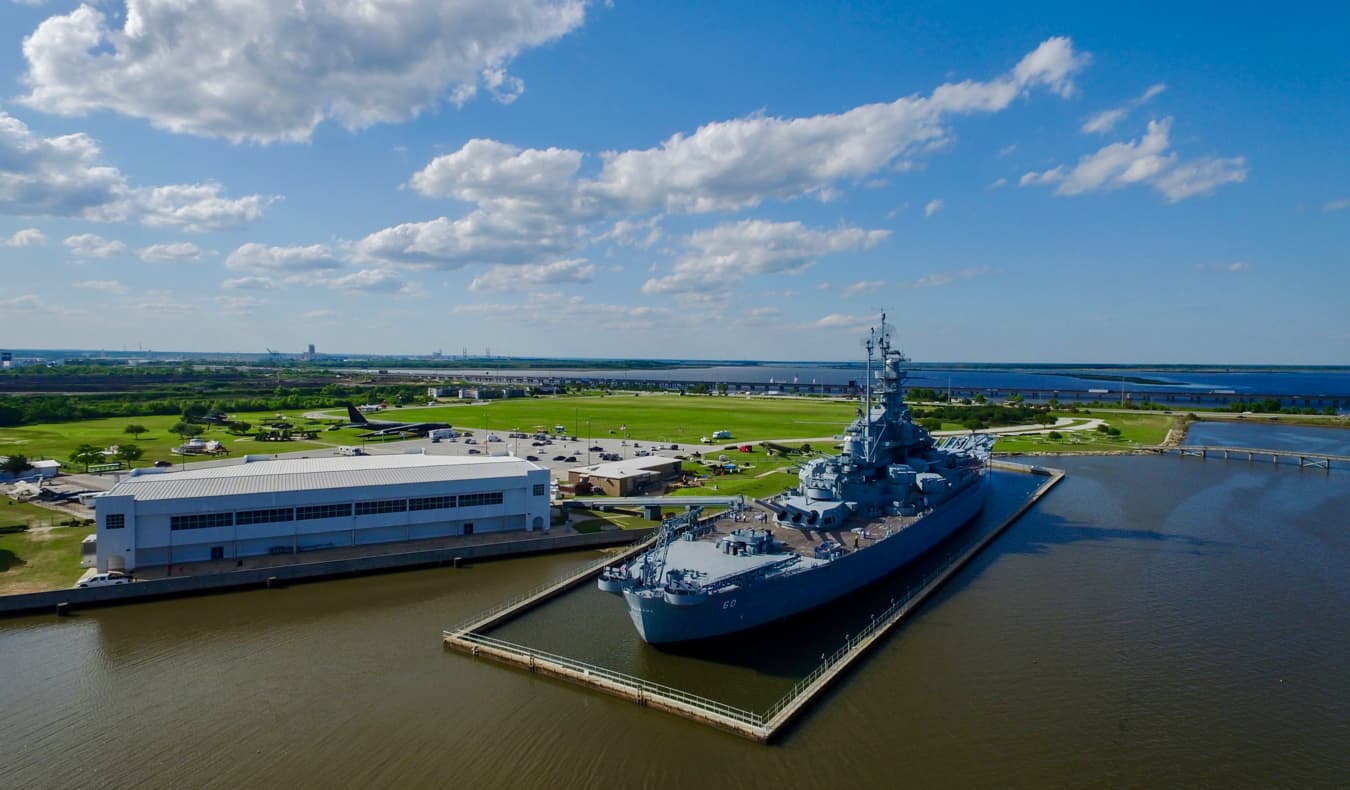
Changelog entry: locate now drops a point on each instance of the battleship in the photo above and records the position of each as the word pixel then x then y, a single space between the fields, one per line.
pixel 891 494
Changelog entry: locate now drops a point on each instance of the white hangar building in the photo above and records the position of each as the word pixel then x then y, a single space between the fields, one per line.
pixel 297 505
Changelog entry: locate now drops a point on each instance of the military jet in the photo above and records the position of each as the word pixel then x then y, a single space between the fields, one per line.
pixel 379 428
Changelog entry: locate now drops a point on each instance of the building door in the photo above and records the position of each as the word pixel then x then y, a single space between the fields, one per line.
pixel 217 552
pixel 468 528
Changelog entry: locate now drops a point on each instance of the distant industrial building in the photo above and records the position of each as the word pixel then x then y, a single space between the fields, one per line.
pixel 483 393
pixel 629 477
pixel 296 505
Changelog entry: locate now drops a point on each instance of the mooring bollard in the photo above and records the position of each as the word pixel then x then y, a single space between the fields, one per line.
pixel 63 609
pixel 458 562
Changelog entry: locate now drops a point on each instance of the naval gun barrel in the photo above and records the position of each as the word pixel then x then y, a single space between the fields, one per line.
pixel 796 515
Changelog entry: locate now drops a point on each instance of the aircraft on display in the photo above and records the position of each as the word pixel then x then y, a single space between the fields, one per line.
pixel 358 420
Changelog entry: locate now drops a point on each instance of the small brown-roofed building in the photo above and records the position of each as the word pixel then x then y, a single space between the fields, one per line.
pixel 628 477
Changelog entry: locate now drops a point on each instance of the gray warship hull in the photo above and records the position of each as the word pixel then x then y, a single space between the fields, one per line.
pixel 772 599
pixel 890 495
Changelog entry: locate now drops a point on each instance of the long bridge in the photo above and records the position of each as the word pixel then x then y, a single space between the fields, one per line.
pixel 1304 458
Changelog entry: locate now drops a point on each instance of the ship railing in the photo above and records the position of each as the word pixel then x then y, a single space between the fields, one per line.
pixel 634 684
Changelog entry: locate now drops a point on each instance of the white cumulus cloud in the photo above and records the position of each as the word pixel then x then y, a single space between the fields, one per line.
pixel 180 252
pixel 861 287
pixel 533 206
pixel 932 207
pixel 249 283
pixel 269 71
pixel 283 259
pixel 109 286
pixel 197 207
pixel 726 254
pixel 532 276
pixel 89 245
pixel 28 237
pixel 65 177
pixel 1143 161
pixel 740 163
pixel 1106 120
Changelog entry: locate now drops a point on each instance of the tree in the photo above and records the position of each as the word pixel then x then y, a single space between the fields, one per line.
pixel 135 429
pixel 86 454
pixel 129 453
pixel 194 412
pixel 185 429
pixel 16 465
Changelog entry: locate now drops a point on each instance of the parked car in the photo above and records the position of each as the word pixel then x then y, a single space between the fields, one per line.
pixel 571 459
pixel 163 464
pixel 104 580
pixel 559 457
pixel 475 451
pixel 531 458
pixel 597 449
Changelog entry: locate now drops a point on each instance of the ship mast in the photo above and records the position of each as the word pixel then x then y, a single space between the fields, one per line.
pixel 867 396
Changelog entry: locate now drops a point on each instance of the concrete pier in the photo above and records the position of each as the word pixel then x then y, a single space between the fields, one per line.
pixel 760 726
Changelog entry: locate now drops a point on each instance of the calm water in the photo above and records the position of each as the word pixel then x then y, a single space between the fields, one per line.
pixel 1270 437
pixel 1154 622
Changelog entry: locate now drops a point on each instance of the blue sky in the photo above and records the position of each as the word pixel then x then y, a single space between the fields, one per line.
pixel 691 180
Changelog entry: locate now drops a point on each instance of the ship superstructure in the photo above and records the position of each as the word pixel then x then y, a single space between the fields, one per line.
pixel 888 496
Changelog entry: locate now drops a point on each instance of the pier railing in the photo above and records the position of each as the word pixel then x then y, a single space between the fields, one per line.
pixel 878 623
pixel 636 684
pixel 570 577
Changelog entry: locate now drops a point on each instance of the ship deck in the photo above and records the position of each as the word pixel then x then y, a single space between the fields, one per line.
pixel 855 534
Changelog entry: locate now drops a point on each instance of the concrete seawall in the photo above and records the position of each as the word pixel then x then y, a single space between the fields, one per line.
pixel 81 597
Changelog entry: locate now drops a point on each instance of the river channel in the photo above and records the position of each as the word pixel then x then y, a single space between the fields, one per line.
pixel 1154 621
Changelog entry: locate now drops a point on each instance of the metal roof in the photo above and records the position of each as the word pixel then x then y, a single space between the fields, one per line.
pixel 317 474
pixel 625 468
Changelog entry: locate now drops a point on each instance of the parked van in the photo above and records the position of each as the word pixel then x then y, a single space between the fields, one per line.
pixel 350 451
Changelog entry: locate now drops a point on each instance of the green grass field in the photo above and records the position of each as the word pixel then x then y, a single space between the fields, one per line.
pixel 661 418
pixel 1136 430
pixel 58 440
pixel 45 556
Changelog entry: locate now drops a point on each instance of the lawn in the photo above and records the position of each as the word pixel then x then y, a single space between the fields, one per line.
pixel 595 520
pixel 1136 430
pixel 42 557
pixel 651 417
pixel 59 440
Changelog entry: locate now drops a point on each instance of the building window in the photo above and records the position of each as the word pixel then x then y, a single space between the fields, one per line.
pixel 115 521
pixel 431 503
pixel 201 521
pixel 246 517
pixel 381 506
pixel 310 512
pixel 539 489
pixel 473 500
